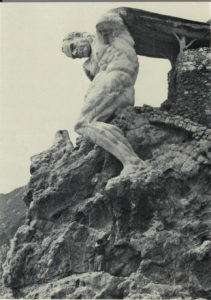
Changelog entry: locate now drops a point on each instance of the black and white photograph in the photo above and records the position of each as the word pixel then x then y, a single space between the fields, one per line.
pixel 105 156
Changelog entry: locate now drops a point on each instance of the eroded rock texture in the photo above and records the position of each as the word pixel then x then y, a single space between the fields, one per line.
pixel 190 86
pixel 12 215
pixel 92 234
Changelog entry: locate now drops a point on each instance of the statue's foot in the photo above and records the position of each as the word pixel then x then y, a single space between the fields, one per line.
pixel 133 168
pixel 130 171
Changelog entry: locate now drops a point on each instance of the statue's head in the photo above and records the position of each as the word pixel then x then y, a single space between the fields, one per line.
pixel 77 44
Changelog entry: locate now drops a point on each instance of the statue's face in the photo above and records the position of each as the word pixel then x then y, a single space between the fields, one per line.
pixel 76 48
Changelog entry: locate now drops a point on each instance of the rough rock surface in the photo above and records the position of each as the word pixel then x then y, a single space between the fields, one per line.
pixel 190 86
pixel 90 233
pixel 93 234
pixel 12 215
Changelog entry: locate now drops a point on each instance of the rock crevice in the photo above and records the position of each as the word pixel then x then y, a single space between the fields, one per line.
pixel 145 235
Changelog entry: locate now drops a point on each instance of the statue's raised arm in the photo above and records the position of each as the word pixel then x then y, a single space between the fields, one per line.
pixel 112 66
pixel 109 26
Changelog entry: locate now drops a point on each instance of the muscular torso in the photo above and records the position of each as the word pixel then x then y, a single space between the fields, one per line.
pixel 117 56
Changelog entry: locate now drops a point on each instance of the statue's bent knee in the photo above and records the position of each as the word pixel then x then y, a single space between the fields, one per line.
pixel 79 125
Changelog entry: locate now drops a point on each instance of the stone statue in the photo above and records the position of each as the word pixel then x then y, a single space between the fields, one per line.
pixel 112 66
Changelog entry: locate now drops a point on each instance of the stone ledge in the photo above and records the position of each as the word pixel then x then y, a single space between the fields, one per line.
pixel 157 116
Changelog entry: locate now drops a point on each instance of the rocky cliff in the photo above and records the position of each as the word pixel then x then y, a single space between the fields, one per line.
pixel 93 234
pixel 90 233
pixel 12 215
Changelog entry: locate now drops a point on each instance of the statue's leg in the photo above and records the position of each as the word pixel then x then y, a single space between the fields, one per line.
pixel 110 138
pixel 98 107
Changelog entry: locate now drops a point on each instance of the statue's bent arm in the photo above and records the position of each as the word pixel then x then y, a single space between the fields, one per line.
pixel 109 27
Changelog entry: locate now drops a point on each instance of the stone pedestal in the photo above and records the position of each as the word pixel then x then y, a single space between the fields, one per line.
pixel 190 86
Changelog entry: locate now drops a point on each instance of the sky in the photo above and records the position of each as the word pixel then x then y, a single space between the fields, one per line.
pixel 42 90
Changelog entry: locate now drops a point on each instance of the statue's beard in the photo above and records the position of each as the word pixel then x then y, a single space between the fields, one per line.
pixel 80 52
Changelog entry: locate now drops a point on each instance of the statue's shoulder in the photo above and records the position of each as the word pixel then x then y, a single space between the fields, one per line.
pixel 109 26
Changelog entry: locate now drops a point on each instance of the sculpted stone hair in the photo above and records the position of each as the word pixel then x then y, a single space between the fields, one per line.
pixel 75 34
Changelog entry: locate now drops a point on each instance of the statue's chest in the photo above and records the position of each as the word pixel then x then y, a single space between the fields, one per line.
pixel 109 55
pixel 100 60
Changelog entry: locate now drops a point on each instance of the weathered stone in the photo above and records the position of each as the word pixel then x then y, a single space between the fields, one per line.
pixel 12 215
pixel 189 87
pixel 91 233
pixel 99 285
pixel 86 225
